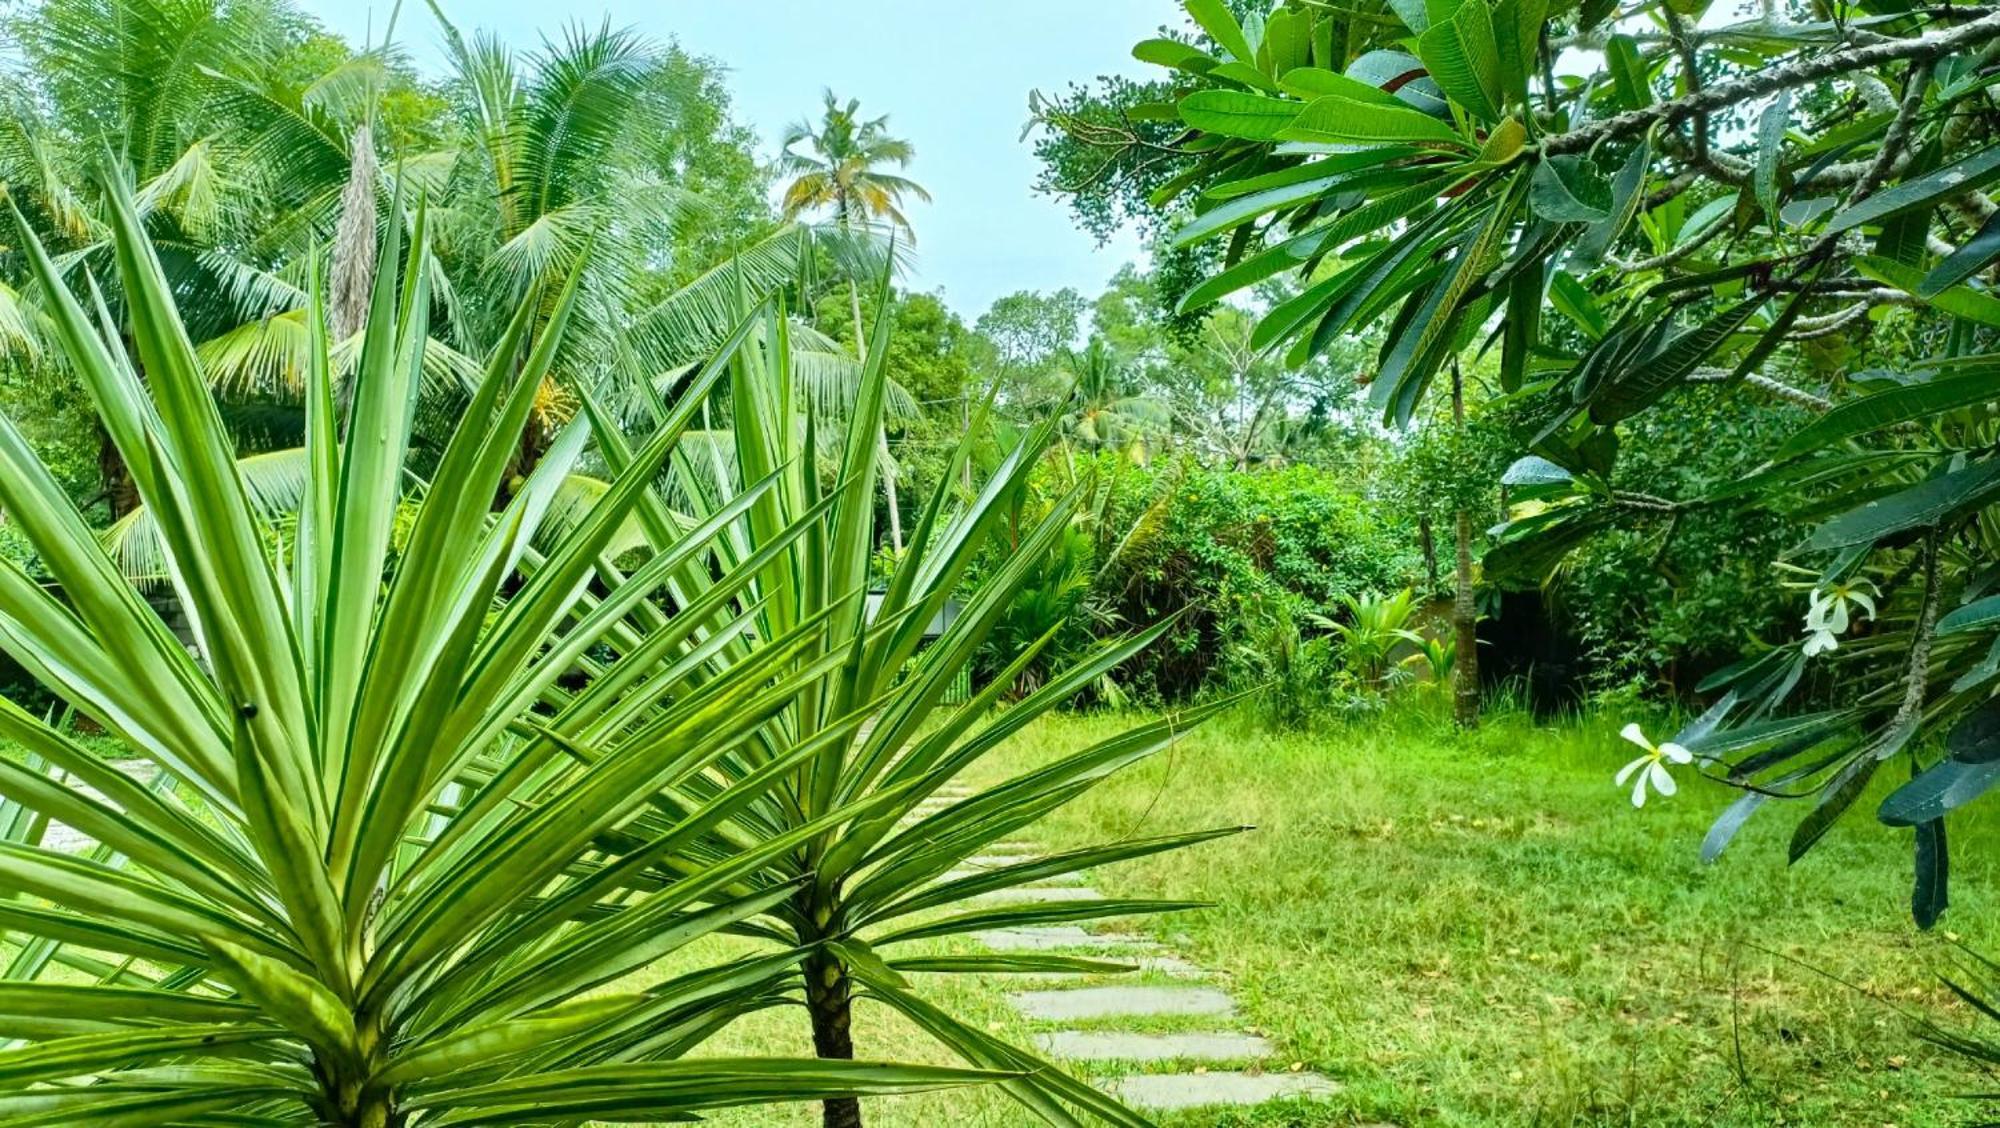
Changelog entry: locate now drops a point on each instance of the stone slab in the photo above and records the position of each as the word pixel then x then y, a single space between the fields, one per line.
pixel 1039 895
pixel 68 839
pixel 1170 1091
pixel 1120 1002
pixel 1113 1045
pixel 1058 879
pixel 1043 938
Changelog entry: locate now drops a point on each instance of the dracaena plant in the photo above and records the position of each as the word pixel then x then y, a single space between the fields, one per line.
pixel 863 888
pixel 368 855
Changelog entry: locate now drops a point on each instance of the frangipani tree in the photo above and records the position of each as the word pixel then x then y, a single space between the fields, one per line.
pixel 384 873
pixel 1686 215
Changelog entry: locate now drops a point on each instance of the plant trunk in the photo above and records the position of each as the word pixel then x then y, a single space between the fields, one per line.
pixel 121 493
pixel 1465 625
pixel 1464 610
pixel 1429 541
pixel 353 274
pixel 881 432
pixel 347 1102
pixel 829 1000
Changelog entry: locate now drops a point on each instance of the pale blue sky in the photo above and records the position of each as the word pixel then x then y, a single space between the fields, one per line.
pixel 953 76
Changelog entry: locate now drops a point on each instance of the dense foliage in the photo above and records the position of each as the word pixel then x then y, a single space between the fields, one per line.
pixel 1238 562
pixel 1737 205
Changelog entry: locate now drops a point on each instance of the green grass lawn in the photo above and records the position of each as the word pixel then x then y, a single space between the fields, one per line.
pixel 1481 930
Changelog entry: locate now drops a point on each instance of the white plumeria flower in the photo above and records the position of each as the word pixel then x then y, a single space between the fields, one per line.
pixel 1829 615
pixel 1652 767
pixel 1829 610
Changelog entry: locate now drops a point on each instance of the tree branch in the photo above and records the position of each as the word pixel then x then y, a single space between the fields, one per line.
pixel 1920 49
pixel 1777 388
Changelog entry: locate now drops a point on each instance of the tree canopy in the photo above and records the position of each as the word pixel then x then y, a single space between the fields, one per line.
pixel 1624 206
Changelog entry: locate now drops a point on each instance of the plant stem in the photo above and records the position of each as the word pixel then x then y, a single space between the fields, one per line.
pixel 829 1000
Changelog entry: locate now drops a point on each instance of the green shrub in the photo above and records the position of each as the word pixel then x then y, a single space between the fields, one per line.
pixel 1666 599
pixel 1243 557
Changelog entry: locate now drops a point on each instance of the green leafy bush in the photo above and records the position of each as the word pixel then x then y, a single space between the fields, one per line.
pixel 1241 557
pixel 1665 598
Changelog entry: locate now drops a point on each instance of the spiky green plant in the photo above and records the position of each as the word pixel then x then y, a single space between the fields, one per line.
pixel 863 885
pixel 369 856
pixel 1376 624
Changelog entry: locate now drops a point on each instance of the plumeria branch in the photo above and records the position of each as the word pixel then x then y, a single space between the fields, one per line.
pixel 1777 388
pixel 1919 49
pixel 1916 676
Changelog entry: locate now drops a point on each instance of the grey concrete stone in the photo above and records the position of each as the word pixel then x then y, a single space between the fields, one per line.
pixel 68 839
pixel 1113 1045
pixel 1168 1091
pixel 1114 1002
pixel 1170 965
pixel 977 871
pixel 1043 938
pixel 1039 895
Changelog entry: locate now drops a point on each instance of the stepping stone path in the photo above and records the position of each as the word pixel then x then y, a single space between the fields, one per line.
pixel 1123 1002
pixel 1198 1068
pixel 68 839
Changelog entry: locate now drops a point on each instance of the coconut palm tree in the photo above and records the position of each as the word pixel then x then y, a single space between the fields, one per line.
pixel 840 164
pixel 163 84
pixel 1106 412
pixel 842 167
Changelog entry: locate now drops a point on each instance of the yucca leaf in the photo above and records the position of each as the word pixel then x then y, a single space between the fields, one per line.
pixel 1040 869
pixel 89 1054
pixel 623 1092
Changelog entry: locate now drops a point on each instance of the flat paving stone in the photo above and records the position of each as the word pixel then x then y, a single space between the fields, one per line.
pixel 1171 966
pixel 1039 895
pixel 1169 1091
pixel 1113 1045
pixel 1116 1002
pixel 68 839
pixel 980 871
pixel 1042 938
pixel 997 861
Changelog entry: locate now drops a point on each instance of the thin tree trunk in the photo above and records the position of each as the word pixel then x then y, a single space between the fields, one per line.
pixel 965 428
pixel 829 1000
pixel 1464 611
pixel 881 433
pixel 120 492
pixel 1429 542
pixel 1465 625
pixel 353 272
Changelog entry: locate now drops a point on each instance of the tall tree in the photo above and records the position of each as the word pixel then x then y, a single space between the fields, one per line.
pixel 841 163
pixel 1695 218
pixel 146 90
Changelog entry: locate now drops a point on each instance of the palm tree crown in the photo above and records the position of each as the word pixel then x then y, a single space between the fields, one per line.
pixel 842 167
